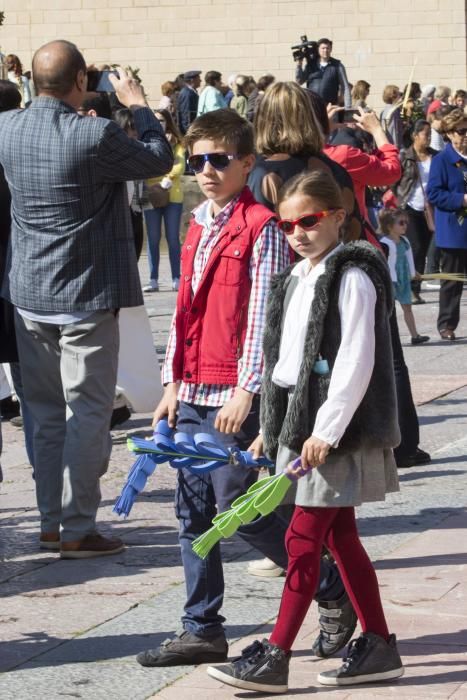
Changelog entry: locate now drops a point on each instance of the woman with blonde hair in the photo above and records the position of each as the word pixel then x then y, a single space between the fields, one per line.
pixel 289 140
pixel 360 92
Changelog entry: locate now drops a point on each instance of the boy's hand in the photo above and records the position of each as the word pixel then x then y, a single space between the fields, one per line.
pixel 314 452
pixel 167 406
pixel 231 416
pixel 256 447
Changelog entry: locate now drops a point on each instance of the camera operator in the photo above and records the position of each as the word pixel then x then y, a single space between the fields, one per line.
pixel 324 75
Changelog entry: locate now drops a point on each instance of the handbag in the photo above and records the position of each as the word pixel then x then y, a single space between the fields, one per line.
pixel 158 196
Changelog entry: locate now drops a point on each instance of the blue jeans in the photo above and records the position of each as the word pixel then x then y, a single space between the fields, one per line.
pixel 198 498
pixel 172 215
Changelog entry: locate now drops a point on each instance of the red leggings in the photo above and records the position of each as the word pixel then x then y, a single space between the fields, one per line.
pixel 309 529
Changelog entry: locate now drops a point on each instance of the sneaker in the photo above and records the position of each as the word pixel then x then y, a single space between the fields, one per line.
pixel 153 286
pixel 185 649
pixel 50 541
pixel 94 545
pixel 265 568
pixel 262 667
pixel 419 339
pixel 175 284
pixel 337 622
pixel 369 659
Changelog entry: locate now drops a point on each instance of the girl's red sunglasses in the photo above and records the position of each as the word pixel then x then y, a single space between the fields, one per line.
pixel 306 222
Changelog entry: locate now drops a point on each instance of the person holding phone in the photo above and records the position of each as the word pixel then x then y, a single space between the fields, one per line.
pixel 72 267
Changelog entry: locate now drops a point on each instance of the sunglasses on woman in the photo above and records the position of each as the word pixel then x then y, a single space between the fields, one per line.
pixel 461 132
pixel 306 222
pixel 219 161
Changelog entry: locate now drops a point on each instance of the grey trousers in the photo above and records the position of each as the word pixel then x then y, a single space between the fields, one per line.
pixel 69 374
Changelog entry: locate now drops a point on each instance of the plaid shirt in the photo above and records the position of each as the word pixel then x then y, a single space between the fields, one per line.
pixel 72 245
pixel 270 255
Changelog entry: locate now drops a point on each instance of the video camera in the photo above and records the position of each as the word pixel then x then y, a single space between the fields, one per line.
pixel 307 50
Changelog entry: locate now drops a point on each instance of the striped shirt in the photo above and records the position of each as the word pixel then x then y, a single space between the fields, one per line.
pixel 270 255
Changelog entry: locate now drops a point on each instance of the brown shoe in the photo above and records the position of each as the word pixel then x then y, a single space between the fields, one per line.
pixel 91 546
pixel 447 334
pixel 50 541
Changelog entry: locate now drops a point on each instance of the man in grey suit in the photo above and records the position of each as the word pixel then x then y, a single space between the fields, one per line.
pixel 72 266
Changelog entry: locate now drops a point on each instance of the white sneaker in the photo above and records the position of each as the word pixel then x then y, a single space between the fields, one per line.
pixel 175 284
pixel 153 286
pixel 265 568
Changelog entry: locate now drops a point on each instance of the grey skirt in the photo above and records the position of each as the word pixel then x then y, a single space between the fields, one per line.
pixel 345 479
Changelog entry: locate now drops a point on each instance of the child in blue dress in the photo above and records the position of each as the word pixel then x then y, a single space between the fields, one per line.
pixel 393 225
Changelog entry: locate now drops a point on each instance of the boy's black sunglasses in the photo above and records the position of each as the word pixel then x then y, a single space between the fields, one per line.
pixel 219 161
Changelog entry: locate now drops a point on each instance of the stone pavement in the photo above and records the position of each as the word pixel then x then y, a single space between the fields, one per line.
pixel 72 628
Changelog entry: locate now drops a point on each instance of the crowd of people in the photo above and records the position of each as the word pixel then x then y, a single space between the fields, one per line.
pixel 284 340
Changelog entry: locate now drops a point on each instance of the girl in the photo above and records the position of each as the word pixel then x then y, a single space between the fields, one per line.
pixel 328 394
pixel 170 210
pixel 393 224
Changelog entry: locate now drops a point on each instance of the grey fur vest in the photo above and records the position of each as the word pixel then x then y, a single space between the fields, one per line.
pixel 374 424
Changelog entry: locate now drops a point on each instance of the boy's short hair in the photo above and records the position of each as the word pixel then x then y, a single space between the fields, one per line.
pixel 222 126
pixel 387 217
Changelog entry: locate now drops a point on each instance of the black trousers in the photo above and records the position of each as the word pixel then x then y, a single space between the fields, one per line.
pixel 420 237
pixel 452 260
pixel 406 413
pixel 138 231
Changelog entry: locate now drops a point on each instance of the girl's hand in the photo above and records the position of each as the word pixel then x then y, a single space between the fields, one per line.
pixel 256 447
pixel 417 276
pixel 314 452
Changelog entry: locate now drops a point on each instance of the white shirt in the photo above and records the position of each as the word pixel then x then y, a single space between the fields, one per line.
pixel 355 358
pixel 417 199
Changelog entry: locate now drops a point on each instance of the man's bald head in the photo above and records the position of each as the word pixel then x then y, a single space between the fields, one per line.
pixel 55 68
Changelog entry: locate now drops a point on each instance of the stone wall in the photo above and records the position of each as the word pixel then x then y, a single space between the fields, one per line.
pixel 378 40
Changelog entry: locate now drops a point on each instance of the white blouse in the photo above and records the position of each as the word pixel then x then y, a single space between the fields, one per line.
pixel 392 256
pixel 355 358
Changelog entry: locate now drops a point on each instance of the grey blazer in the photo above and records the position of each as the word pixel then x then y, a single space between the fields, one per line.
pixel 71 235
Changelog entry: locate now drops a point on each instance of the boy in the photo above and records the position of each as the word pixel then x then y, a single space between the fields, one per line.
pixel 213 366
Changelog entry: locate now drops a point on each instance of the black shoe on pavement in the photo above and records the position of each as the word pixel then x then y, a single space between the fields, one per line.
pixel 17 421
pixel 369 659
pixel 9 408
pixel 119 415
pixel 419 339
pixel 337 622
pixel 418 459
pixel 262 667
pixel 186 649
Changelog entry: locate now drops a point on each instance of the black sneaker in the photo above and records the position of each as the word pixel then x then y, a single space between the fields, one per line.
pixel 369 659
pixel 185 649
pixel 337 622
pixel 262 667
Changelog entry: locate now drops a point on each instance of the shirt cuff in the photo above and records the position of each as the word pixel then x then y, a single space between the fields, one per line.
pixel 249 380
pixel 327 437
pixel 167 375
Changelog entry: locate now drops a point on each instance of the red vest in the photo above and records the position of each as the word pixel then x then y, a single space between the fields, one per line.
pixel 211 325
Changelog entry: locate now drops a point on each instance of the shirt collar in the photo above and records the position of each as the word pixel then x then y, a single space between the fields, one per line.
pixel 309 276
pixel 204 216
